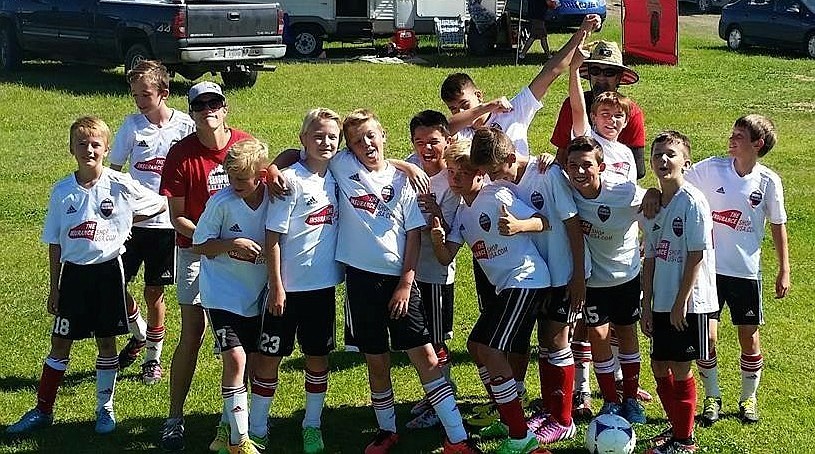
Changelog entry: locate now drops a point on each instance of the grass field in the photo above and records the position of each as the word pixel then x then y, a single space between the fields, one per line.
pixel 702 96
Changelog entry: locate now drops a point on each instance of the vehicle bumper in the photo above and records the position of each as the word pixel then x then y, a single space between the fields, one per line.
pixel 232 53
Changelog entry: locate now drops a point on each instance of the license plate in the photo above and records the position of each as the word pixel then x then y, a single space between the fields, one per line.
pixel 234 53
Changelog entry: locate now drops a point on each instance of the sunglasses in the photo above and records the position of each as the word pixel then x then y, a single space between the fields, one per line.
pixel 607 72
pixel 212 104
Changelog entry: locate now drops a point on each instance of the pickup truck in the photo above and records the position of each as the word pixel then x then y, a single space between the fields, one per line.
pixel 190 37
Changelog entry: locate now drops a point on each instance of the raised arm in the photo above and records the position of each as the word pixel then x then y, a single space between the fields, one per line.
pixel 275 182
pixel 466 118
pixel 580 118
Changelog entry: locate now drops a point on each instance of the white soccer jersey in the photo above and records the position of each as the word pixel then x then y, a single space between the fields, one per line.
pixel 508 261
pixel 146 145
pixel 618 158
pixel 228 282
pixel 515 124
pixel 551 195
pixel 377 209
pixel 429 270
pixel 307 219
pixel 610 229
pixel 92 224
pixel 740 207
pixel 682 226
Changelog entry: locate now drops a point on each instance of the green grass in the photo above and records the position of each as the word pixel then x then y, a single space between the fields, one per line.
pixel 701 97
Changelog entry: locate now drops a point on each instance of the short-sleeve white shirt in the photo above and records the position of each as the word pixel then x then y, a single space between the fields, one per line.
pixel 228 282
pixel 515 124
pixel 610 228
pixel 92 224
pixel 377 209
pixel 307 220
pixel 684 225
pixel 740 207
pixel 619 159
pixel 428 269
pixel 146 145
pixel 508 261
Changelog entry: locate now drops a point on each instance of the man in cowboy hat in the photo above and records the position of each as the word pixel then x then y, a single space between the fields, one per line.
pixel 606 72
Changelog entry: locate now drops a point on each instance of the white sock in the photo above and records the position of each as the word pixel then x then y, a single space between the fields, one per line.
pixel 709 376
pixel 137 326
pixel 316 384
pixel 383 407
pixel 106 369
pixel 154 344
pixel 235 401
pixel 618 372
pixel 440 395
pixel 751 366
pixel 263 392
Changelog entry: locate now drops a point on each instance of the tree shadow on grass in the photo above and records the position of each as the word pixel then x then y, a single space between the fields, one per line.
pixel 342 360
pixel 15 384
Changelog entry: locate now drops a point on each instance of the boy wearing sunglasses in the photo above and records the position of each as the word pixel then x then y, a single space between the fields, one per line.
pixel 192 173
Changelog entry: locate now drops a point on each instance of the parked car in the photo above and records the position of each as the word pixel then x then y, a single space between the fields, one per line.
pixel 705 6
pixel 769 23
pixel 570 13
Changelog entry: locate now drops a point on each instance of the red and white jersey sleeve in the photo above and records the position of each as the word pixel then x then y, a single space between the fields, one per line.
pixel 515 124
pixel 618 158
pixel 740 207
pixel 508 261
pixel 307 220
pixel 377 209
pixel 145 146
pixel 228 281
pixel 684 225
pixel 428 269
pixel 610 228
pixel 91 225
pixel 551 195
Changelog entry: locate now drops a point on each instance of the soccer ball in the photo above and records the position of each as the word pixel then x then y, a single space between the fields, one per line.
pixel 610 434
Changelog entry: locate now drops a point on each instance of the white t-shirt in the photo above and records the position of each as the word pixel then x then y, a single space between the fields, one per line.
pixel 515 124
pixel 551 195
pixel 377 209
pixel 682 226
pixel 307 221
pixel 146 145
pixel 91 225
pixel 618 158
pixel 740 208
pixel 428 269
pixel 610 229
pixel 228 282
pixel 508 261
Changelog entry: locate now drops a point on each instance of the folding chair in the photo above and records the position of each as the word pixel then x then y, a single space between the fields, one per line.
pixel 450 34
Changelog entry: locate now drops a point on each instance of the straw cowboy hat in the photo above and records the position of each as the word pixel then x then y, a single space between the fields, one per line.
pixel 608 53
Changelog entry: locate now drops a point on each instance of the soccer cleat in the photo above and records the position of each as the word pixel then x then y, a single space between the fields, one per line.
pixel 259 442
pixel 221 440
pixel 673 447
pixel 748 410
pixel 581 405
pixel 662 438
pixel 425 420
pixel 463 447
pixel 172 435
pixel 495 430
pixel 524 445
pixel 632 411
pixel 536 421
pixel 130 352
pixel 382 442
pixel 151 372
pixel 484 416
pixel 246 446
pixel 610 408
pixel 553 431
pixel 32 420
pixel 710 410
pixel 105 421
pixel 421 406
pixel 312 440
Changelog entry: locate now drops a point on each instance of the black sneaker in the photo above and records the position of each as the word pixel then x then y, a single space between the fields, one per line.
pixel 130 353
pixel 172 435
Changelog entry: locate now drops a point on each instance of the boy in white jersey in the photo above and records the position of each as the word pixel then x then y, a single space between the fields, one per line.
pixel 430 137
pixel 230 236
pixel 513 266
pixel 561 246
pixel 465 100
pixel 144 140
pixel 679 290
pixel 301 241
pixel 608 211
pixel 89 217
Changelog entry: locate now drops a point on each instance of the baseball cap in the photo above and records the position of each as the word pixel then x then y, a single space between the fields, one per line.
pixel 205 87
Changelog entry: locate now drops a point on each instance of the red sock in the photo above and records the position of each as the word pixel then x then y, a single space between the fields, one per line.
pixel 547 380
pixel 665 390
pixel 509 406
pixel 561 365
pixel 683 408
pixel 631 378
pixel 50 380
pixel 608 387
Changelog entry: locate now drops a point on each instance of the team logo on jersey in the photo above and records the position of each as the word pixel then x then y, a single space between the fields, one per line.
pixel 485 222
pixel 603 212
pixel 71 210
pixel 678 226
pixel 311 201
pixel 387 193
pixel 217 179
pixel 729 218
pixel 142 143
pixel 755 198
pixel 106 207
pixel 663 248
pixel 537 200
pixel 585 226
pixel 324 216
pixel 496 126
pixel 367 202
pixel 151 165
pixel 655 227
pixel 720 190
pixel 86 230
pixel 354 177
pixel 235 228
pixel 621 168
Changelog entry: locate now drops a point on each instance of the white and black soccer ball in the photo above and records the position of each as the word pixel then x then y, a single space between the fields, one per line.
pixel 610 434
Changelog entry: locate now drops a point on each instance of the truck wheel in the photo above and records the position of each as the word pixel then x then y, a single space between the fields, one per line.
pixel 10 58
pixel 307 41
pixel 135 54
pixel 239 78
